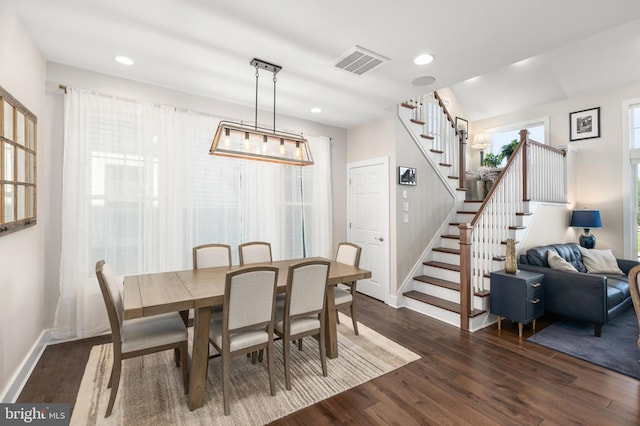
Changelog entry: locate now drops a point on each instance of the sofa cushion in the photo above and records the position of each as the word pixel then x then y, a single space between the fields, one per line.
pixel 617 291
pixel 600 261
pixel 556 262
pixel 537 256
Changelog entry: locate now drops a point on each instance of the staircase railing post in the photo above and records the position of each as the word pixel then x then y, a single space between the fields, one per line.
pixel 465 274
pixel 524 140
pixel 462 160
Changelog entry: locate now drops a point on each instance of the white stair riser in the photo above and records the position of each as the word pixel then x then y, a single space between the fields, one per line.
pixel 481 321
pixel 464 217
pixel 443 274
pixel 437 291
pixel 471 207
pixel 453 259
pixel 453 229
pixel 450 243
pixel 433 311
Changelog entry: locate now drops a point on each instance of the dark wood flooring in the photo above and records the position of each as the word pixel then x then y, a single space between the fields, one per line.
pixel 483 378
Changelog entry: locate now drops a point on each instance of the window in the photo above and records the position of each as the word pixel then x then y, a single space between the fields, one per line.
pixel 503 135
pixel 17 165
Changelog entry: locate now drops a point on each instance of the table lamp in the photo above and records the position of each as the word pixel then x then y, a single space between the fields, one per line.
pixel 586 219
pixel 481 141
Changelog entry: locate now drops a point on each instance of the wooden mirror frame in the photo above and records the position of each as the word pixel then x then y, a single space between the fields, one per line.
pixel 18 196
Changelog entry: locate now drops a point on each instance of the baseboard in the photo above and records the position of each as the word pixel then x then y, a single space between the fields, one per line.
pixel 19 379
pixel 392 301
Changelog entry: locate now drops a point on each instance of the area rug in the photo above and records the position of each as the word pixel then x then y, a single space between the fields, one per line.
pixel 151 391
pixel 616 349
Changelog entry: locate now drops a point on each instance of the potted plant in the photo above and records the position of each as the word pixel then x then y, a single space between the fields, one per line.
pixel 508 149
pixel 492 160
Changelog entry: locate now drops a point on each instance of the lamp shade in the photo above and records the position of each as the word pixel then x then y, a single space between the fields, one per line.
pixel 586 219
pixel 480 141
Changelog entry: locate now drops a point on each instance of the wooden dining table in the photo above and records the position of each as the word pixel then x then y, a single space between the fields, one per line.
pixel 200 289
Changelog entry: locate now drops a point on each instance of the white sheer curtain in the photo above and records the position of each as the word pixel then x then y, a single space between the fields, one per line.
pixel 140 190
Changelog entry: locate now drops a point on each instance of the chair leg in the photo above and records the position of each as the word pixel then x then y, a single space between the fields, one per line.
pixel 184 359
pixel 321 345
pixel 272 382
pixel 337 317
pixel 254 357
pixel 226 364
pixel 300 344
pixel 260 355
pixel 286 352
pixel 115 382
pixel 353 316
pixel 113 367
pixel 176 356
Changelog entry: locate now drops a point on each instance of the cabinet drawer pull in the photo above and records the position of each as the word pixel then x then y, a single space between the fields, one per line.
pixel 534 301
pixel 535 285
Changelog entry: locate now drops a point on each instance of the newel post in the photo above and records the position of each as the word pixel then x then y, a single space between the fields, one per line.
pixel 524 140
pixel 465 274
pixel 462 160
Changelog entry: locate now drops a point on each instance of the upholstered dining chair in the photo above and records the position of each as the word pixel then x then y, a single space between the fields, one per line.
pixel 254 252
pixel 246 325
pixel 345 293
pixel 211 256
pixel 142 336
pixel 303 311
pixel 634 289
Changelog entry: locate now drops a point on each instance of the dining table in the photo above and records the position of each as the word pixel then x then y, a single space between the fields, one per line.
pixel 200 289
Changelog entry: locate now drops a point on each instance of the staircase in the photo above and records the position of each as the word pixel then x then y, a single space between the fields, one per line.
pixel 452 282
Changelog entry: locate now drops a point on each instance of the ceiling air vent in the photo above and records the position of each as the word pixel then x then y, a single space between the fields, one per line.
pixel 359 60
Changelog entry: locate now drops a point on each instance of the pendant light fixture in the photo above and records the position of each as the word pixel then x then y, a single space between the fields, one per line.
pixel 239 140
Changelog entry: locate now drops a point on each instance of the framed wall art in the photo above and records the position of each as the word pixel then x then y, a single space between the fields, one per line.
pixel 584 124
pixel 407 176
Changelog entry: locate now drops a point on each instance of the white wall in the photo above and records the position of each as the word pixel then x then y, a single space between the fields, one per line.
pixel 23 305
pixel 599 169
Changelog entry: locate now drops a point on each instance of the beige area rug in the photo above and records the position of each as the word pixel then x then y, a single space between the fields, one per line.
pixel 151 391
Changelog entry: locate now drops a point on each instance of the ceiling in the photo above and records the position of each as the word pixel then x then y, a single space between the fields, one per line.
pixel 516 53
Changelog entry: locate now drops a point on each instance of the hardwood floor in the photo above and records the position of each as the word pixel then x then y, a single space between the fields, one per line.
pixel 481 378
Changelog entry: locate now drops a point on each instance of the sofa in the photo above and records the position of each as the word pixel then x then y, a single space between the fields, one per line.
pixel 580 294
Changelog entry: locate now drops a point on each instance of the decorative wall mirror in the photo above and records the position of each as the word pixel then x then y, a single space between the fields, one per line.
pixel 17 165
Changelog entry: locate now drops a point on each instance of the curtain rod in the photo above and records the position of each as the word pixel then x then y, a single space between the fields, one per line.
pixel 62 87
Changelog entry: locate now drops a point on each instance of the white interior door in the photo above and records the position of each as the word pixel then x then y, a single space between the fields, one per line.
pixel 368 222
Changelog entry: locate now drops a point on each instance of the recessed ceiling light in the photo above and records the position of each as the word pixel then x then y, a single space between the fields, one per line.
pixel 316 110
pixel 423 59
pixel 123 60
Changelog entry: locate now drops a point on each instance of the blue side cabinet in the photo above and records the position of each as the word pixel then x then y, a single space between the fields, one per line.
pixel 518 297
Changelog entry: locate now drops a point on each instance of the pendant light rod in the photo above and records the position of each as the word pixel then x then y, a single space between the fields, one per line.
pixel 260 64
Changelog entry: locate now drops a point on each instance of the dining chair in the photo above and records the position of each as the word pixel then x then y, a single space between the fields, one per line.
pixel 142 336
pixel 254 252
pixel 345 293
pixel 303 311
pixel 246 325
pixel 634 289
pixel 211 256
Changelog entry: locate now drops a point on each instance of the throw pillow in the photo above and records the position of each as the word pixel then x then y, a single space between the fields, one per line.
pixel 600 261
pixel 557 262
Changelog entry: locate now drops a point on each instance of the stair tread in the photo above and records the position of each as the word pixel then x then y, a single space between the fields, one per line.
pixel 524 214
pixel 474 201
pixel 442 265
pixel 445 164
pixel 483 293
pixel 413 120
pixel 427 137
pixel 452 177
pixel 517 227
pixel 437 151
pixel 408 105
pixel 446 250
pixel 466 212
pixel 439 282
pixel 440 303
pixel 451 236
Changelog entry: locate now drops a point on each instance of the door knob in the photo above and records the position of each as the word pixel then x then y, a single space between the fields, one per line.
pixel 378 238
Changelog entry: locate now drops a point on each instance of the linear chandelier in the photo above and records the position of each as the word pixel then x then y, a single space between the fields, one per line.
pixel 240 140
